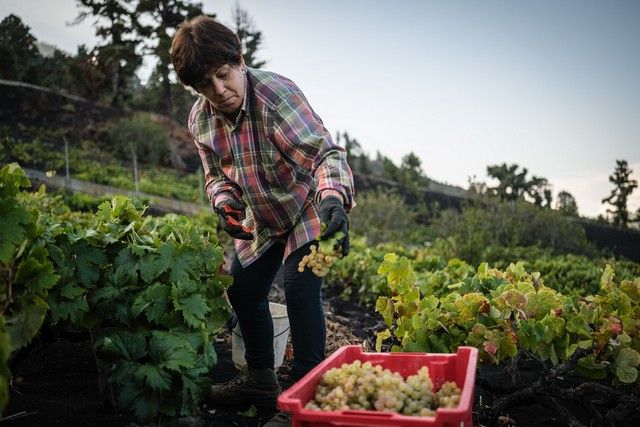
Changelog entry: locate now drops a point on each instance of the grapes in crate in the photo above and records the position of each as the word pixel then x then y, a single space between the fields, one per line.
pixel 365 386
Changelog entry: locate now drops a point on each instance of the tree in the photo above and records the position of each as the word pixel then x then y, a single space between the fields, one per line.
pixel 475 186
pixel 18 51
pixel 85 75
pixel 351 145
pixel 250 38
pixel 166 16
pixel 566 204
pixel 362 164
pixel 356 157
pixel 411 171
pixel 389 170
pixel 636 219
pixel 619 196
pixel 514 185
pixel 115 23
pixel 539 190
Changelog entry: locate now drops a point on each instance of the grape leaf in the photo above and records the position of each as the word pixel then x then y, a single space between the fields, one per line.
pixel 12 221
pixel 153 377
pixel 194 309
pixel 122 344
pixel 153 301
pixel 625 365
pixel 380 337
pixel 27 322
pixel 88 260
pixel 36 271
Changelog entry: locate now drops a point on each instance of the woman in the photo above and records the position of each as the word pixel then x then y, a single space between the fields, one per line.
pixel 274 176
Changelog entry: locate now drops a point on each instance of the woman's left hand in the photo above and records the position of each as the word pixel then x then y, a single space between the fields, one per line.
pixel 332 214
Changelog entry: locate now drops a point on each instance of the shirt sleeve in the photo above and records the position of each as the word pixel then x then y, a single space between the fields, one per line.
pixel 301 135
pixel 217 185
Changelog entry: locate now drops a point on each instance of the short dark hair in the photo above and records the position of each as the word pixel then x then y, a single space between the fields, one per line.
pixel 200 44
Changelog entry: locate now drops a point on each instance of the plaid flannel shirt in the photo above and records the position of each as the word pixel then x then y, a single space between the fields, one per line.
pixel 277 157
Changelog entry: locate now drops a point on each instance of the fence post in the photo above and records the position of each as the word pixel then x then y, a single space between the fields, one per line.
pixel 135 168
pixel 201 186
pixel 67 176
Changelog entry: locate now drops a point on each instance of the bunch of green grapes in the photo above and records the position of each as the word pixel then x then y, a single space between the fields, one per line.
pixel 419 399
pixel 321 257
pixel 370 387
pixel 449 395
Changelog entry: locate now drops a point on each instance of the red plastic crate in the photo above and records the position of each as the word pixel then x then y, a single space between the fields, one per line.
pixel 459 367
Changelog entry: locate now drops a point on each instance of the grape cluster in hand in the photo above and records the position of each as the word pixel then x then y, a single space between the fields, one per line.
pixel 370 387
pixel 319 260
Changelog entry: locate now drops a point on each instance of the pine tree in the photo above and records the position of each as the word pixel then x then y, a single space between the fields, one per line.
pixel 250 38
pixel 166 16
pixel 566 204
pixel 18 52
pixel 115 24
pixel 619 196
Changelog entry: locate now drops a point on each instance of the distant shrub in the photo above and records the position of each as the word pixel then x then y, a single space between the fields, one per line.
pixel 141 133
pixel 510 224
pixel 382 216
pixel 84 202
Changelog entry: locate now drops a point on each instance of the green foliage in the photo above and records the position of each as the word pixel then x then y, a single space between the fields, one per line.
pixel 83 202
pixel 87 163
pixel 115 25
pixel 566 204
pixel 5 374
pixel 514 185
pixel 26 271
pixel 161 19
pixel 503 312
pixel 382 216
pixel 141 135
pixel 624 186
pixel 18 52
pixel 151 287
pixel 513 224
pixel 439 269
pixel 568 273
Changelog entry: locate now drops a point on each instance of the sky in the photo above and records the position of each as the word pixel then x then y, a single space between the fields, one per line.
pixel 551 85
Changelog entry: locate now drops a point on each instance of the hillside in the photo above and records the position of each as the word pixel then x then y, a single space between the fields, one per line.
pixel 29 112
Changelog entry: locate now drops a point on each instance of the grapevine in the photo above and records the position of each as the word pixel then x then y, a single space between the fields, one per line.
pixel 364 386
pixel 322 256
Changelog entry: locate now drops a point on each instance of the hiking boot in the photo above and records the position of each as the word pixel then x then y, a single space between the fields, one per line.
pixel 282 419
pixel 252 386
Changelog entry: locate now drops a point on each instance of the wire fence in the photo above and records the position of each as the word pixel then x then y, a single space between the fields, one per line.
pixel 82 166
pixel 158 203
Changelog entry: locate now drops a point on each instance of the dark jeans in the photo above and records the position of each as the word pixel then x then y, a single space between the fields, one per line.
pixel 248 296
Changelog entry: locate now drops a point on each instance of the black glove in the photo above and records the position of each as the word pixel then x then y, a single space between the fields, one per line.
pixel 332 214
pixel 230 213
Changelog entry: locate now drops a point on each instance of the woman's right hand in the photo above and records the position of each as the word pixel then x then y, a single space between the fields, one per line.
pixel 230 213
